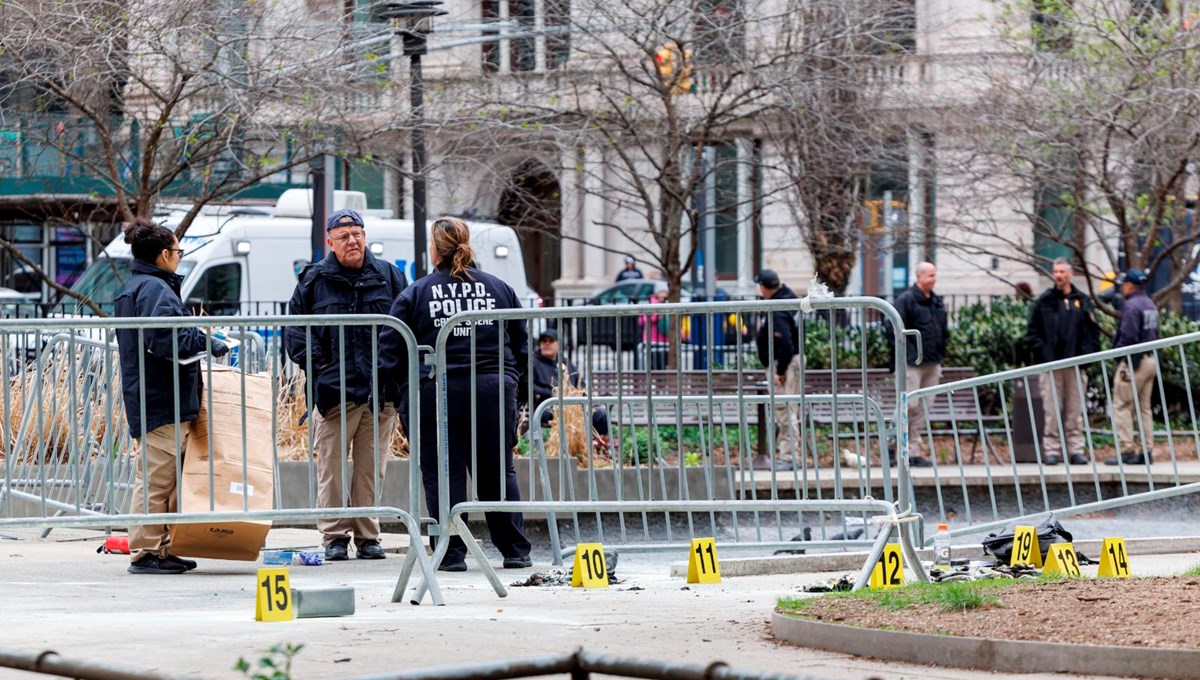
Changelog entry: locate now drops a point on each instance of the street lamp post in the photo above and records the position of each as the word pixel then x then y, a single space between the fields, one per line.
pixel 413 20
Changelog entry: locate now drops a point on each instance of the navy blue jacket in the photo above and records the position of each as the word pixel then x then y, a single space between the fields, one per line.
pixel 546 374
pixel 927 315
pixel 1062 326
pixel 1138 323
pixel 326 287
pixel 787 335
pixel 152 292
pixel 429 302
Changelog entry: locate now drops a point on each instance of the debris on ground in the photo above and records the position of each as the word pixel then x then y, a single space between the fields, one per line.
pixel 556 577
pixel 837 585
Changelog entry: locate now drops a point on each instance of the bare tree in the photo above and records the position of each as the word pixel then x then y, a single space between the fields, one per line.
pixel 191 101
pixel 827 129
pixel 647 86
pixel 1087 129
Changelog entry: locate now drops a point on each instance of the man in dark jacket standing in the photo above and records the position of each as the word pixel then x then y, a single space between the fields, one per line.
pixel 630 271
pixel 1062 326
pixel 923 310
pixel 549 365
pixel 778 345
pixel 1135 374
pixel 349 281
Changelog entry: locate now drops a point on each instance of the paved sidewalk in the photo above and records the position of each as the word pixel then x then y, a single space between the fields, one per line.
pixel 59 594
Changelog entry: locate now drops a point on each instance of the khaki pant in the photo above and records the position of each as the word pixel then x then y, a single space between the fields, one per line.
pixel 787 420
pixel 327 443
pixel 923 375
pixel 154 489
pixel 1061 394
pixel 1123 404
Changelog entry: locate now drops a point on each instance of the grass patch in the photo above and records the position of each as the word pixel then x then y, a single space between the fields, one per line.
pixel 954 596
pixel 1194 571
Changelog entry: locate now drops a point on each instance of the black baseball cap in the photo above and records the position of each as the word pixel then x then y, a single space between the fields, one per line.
pixel 1135 276
pixel 768 278
pixel 548 333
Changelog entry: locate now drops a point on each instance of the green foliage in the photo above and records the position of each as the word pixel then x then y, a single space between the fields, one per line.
pixel 275 665
pixel 987 336
pixel 1194 571
pixel 950 597
pixel 636 442
pixel 818 336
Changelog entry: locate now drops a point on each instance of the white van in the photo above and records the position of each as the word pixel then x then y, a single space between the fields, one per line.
pixel 244 260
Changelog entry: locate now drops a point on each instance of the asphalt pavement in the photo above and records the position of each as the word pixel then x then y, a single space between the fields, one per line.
pixel 58 593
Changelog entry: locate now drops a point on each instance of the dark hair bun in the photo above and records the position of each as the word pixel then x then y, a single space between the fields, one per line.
pixel 138 230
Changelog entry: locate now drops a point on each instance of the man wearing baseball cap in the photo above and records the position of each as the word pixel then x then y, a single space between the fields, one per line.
pixel 1133 380
pixel 778 346
pixel 348 281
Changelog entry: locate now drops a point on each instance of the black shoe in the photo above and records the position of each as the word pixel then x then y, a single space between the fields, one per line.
pixel 187 564
pixel 1052 460
pixel 370 550
pixel 151 564
pixel 338 550
pixel 1078 459
pixel 518 562
pixel 1131 459
pixel 452 565
pixel 919 461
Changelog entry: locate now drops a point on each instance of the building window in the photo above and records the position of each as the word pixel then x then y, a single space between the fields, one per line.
pixel 489 12
pixel 728 202
pixel 525 41
pixel 1053 227
pixel 557 23
pixel 726 208
pixel 522 53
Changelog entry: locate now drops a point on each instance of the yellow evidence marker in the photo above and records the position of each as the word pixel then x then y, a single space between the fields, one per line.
pixel 273 596
pixel 702 562
pixel 590 569
pixel 1025 548
pixel 1114 561
pixel 889 570
pixel 1061 560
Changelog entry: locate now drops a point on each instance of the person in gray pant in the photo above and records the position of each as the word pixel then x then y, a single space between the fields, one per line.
pixel 1134 375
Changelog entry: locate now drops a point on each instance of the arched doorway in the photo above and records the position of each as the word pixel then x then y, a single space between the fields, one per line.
pixel 532 205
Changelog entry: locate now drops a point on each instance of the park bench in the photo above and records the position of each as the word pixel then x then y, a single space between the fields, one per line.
pixel 880 387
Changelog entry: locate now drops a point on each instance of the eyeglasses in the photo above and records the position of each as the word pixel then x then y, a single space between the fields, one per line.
pixel 357 234
pixel 181 251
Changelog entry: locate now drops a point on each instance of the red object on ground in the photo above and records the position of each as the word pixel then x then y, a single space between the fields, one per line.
pixel 117 545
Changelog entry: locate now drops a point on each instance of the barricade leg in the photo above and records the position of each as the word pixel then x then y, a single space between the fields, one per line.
pixel 416 556
pixel 476 551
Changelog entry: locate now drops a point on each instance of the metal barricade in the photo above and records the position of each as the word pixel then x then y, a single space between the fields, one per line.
pixel 994 428
pixel 661 499
pixel 69 459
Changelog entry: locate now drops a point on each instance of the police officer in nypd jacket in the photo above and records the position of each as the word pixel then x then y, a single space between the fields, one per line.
pixel 500 357
pixel 349 281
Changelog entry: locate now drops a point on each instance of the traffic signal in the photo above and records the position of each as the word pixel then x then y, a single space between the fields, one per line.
pixel 674 68
pixel 664 63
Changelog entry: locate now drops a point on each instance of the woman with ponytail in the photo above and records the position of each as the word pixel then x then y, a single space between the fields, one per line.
pixel 497 351
pixel 151 377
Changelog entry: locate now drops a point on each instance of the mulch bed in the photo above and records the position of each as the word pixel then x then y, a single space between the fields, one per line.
pixel 1141 612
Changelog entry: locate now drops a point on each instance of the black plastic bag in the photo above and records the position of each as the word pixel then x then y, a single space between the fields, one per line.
pixel 1049 531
